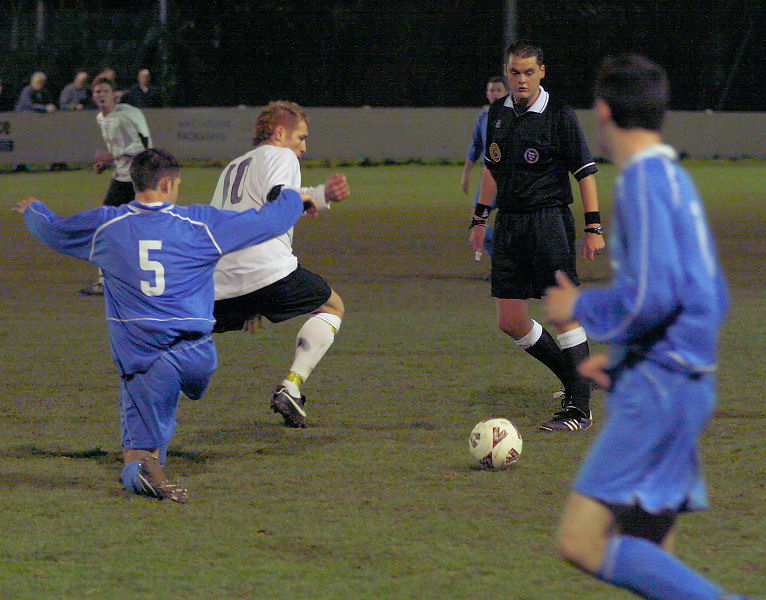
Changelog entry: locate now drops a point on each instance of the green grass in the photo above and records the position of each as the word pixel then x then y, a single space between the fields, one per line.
pixel 378 499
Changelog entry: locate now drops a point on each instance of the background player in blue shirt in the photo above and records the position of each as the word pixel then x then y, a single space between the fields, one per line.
pixel 158 261
pixel 496 89
pixel 661 316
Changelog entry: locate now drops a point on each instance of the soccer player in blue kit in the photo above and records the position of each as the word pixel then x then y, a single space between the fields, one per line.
pixel 661 316
pixel 496 89
pixel 158 261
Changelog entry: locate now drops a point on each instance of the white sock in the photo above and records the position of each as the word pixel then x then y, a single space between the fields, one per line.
pixel 531 338
pixel 571 338
pixel 313 340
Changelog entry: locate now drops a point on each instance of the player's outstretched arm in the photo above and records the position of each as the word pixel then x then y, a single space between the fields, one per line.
pixel 68 235
pixel 335 189
pixel 236 230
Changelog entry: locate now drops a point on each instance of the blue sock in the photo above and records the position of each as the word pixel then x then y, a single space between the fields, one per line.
pixel 644 568
pixel 130 477
pixel 163 457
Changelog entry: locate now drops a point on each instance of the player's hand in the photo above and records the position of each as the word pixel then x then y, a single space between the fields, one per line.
pixel 309 207
pixel 559 300
pixel 465 182
pixel 594 244
pixel 593 368
pixel 99 167
pixel 336 188
pixel 103 156
pixel 23 205
pixel 477 235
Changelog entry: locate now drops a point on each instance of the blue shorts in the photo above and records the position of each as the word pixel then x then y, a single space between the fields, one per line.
pixel 647 452
pixel 148 400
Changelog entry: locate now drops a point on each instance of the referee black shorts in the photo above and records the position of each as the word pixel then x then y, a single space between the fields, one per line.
pixel 527 250
pixel 299 293
pixel 119 193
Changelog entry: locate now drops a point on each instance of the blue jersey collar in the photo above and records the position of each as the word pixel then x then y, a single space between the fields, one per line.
pixel 653 151
pixel 138 207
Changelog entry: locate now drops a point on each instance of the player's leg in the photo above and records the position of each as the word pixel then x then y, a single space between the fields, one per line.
pixel 646 451
pixel 312 342
pixel 529 335
pixel 574 347
pixel 624 550
pixel 554 249
pixel 299 293
pixel 512 283
pixel 148 403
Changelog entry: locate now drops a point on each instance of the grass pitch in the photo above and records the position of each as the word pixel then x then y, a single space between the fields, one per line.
pixel 378 499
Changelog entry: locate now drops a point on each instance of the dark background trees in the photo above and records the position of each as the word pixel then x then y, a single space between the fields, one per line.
pixel 379 52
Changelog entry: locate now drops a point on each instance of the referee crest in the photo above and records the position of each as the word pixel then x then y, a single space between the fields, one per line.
pixel 494 152
pixel 531 155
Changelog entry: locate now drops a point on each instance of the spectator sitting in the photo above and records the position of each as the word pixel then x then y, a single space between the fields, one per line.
pixel 141 94
pixel 34 97
pixel 75 95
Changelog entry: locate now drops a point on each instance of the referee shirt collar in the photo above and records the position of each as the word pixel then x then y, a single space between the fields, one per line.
pixel 538 105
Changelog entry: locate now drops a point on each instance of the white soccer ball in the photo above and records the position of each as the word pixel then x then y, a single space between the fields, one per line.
pixel 495 443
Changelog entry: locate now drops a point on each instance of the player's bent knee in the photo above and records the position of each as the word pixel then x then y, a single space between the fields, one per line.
pixel 334 306
pixel 578 550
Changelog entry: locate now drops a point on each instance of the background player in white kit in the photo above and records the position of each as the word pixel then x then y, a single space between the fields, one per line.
pixel 125 134
pixel 266 280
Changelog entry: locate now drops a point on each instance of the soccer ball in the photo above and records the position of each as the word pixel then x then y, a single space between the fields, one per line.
pixel 495 443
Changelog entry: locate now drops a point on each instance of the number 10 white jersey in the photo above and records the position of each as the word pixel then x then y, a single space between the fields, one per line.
pixel 245 183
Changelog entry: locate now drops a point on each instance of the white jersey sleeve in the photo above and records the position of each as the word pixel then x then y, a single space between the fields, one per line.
pixel 250 181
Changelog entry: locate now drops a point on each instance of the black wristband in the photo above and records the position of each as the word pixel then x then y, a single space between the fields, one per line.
pixel 592 217
pixel 475 222
pixel 481 211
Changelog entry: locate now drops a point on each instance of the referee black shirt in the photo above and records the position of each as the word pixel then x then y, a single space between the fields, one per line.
pixel 530 155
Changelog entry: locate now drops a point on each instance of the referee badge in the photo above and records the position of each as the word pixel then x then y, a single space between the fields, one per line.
pixel 494 152
pixel 531 155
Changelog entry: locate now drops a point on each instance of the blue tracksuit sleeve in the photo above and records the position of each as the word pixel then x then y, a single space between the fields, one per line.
pixel 668 297
pixel 643 295
pixel 476 149
pixel 235 230
pixel 68 235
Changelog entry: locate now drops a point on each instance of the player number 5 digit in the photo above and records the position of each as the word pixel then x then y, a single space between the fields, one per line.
pixel 151 265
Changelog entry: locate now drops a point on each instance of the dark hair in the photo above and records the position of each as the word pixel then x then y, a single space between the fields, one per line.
pixel 498 79
pixel 635 89
pixel 525 49
pixel 101 79
pixel 151 165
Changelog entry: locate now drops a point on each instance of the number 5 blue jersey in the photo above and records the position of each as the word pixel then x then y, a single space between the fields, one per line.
pixel 158 263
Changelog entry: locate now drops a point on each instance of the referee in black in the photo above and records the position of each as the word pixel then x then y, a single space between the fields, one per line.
pixel 533 142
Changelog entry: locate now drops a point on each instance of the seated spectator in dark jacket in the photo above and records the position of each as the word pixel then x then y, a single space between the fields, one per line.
pixel 141 94
pixel 34 97
pixel 75 95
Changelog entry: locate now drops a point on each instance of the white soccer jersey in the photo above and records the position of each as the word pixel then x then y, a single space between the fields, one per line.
pixel 245 183
pixel 122 130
